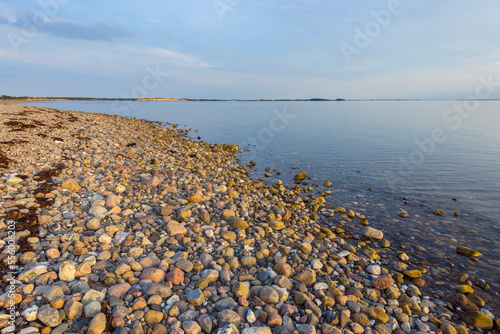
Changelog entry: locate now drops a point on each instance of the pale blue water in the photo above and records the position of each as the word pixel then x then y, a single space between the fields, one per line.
pixel 375 143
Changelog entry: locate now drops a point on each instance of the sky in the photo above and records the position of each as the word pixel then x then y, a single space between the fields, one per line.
pixel 244 49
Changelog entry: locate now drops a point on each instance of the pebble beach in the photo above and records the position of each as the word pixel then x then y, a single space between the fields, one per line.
pixel 117 225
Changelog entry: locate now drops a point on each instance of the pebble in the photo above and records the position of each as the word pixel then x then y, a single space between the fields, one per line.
pixel 119 290
pixel 73 309
pixel 67 271
pixel 477 319
pixel 49 317
pixel 465 251
pixel 92 309
pixel 153 317
pixel 269 295
pixel 195 297
pixel 13 180
pixel 257 330
pixel 30 314
pixel 316 264
pixel 191 327
pixel 227 317
pixel 174 228
pixel 98 324
pixel 372 233
pixel 306 329
pixel 383 282
pixel 250 317
pixel 374 269
pixel 94 224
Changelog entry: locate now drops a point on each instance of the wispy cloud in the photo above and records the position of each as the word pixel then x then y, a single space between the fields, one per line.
pixel 97 31
pixel 179 58
pixel 6 15
pixel 94 32
pixel 5 19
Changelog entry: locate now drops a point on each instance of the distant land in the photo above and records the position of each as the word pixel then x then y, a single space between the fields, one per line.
pixel 8 98
pixel 19 99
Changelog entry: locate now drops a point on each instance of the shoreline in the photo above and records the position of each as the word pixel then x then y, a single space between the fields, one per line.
pixel 129 188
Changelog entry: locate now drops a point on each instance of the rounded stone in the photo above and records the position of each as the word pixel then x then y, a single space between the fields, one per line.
pixel 316 264
pixel 308 277
pixel 191 327
pixel 153 317
pixel 248 261
pixel 155 275
pixel 370 232
pixel 67 271
pixel 119 290
pixel 374 269
pixel 283 269
pixel 92 309
pixel 98 324
pixel 469 252
pixel 269 295
pixel 52 253
pixel 227 317
pixel 383 282
pixel 94 224
pixel 305 247
pixel 175 276
pixel 477 319
pixel 49 317
pixel 241 289
pixel 174 228
pixel 378 315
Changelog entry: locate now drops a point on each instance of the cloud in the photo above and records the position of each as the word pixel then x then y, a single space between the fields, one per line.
pixel 95 32
pixel 65 29
pixel 6 16
pixel 179 58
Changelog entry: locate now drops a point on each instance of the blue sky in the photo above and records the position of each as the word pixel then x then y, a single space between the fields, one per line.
pixel 249 49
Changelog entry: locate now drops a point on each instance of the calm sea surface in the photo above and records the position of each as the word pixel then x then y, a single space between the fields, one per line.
pixel 434 155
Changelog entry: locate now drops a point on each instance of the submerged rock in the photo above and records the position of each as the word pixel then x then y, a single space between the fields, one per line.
pixel 469 252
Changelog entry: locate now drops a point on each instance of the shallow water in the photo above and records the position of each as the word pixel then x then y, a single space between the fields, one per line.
pixel 423 151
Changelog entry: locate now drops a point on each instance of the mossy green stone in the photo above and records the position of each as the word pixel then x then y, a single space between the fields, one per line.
pixel 413 273
pixel 461 329
pixel 325 231
pixel 477 319
pixel 378 315
pixel 305 247
pixel 469 252
pixel 241 289
pixel 476 299
pixel 465 288
pixel 371 253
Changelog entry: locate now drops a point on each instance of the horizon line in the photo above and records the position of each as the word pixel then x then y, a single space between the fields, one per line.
pixel 6 98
